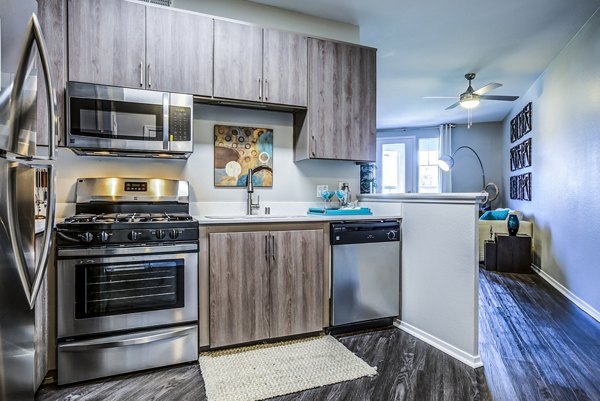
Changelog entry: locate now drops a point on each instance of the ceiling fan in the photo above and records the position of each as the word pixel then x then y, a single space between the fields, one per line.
pixel 470 98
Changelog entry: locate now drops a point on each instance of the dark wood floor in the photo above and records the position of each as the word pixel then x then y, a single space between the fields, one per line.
pixel 535 345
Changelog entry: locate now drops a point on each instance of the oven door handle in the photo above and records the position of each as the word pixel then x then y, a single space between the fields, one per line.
pixel 125 268
pixel 103 343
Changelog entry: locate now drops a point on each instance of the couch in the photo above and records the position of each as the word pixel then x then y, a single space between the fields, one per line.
pixel 500 227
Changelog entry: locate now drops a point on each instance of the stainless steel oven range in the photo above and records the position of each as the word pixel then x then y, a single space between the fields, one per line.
pixel 127 277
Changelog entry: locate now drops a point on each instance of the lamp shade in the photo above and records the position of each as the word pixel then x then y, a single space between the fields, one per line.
pixel 446 162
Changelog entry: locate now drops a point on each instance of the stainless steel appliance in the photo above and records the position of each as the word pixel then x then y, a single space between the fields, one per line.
pixel 112 121
pixel 365 270
pixel 127 278
pixel 20 280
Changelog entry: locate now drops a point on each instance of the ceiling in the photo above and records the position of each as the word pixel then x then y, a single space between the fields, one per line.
pixel 426 47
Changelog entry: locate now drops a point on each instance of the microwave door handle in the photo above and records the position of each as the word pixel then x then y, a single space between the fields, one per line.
pixel 166 121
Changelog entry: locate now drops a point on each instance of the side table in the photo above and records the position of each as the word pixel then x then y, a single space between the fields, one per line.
pixel 513 253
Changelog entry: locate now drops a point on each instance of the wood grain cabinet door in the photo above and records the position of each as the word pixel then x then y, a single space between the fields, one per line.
pixel 179 48
pixel 239 288
pixel 296 281
pixel 285 68
pixel 238 61
pixel 341 100
pixel 106 40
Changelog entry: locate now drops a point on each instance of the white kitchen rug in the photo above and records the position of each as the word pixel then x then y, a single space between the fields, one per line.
pixel 270 370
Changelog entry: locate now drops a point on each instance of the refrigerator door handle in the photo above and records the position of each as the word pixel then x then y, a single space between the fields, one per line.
pixel 34 38
pixel 31 287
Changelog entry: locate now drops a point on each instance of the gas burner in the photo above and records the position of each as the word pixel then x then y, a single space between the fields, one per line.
pixel 111 218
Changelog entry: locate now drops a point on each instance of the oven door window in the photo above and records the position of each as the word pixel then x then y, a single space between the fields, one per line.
pixel 113 289
pixel 116 120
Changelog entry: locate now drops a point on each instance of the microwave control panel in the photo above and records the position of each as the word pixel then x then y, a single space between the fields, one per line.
pixel 180 124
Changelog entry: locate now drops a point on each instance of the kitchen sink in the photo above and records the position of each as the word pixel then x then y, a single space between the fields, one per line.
pixel 252 217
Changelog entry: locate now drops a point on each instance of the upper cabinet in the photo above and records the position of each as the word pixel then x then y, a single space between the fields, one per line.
pixel 285 68
pixel 179 51
pixel 120 43
pixel 260 65
pixel 238 61
pixel 106 40
pixel 340 122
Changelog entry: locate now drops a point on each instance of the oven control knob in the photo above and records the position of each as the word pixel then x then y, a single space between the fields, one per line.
pixel 103 236
pixel 160 234
pixel 174 233
pixel 86 237
pixel 391 235
pixel 134 235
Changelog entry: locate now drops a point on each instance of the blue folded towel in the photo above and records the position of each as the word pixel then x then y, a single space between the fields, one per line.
pixel 340 212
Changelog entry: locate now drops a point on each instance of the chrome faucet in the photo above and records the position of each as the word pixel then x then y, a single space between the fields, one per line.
pixel 250 205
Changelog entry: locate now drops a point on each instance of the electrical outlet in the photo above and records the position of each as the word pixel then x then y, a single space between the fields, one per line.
pixel 321 188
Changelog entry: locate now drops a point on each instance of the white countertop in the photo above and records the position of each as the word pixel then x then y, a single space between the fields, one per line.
pixel 273 218
pixel 466 197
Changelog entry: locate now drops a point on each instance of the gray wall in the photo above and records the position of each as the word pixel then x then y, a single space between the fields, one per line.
pixel 566 165
pixel 273 17
pixel 486 140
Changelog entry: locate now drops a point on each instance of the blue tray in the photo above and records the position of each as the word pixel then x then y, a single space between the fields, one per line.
pixel 339 212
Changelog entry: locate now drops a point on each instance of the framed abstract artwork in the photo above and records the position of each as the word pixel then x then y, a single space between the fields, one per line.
pixel 521 124
pixel 238 149
pixel 520 187
pixel 520 155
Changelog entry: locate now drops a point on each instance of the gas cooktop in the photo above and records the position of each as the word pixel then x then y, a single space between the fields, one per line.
pixel 111 218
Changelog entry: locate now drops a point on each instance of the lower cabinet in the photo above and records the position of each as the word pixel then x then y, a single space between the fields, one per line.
pixel 265 284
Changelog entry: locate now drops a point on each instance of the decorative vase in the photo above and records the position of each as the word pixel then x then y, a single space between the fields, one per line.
pixel 513 224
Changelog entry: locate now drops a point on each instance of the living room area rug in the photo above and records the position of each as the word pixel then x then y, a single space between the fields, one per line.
pixel 264 371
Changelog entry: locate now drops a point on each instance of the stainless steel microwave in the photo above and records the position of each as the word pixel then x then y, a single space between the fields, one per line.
pixel 113 121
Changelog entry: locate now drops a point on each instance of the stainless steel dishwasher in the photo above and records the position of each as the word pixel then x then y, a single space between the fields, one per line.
pixel 365 271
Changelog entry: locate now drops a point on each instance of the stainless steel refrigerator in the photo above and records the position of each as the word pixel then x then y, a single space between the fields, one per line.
pixel 20 274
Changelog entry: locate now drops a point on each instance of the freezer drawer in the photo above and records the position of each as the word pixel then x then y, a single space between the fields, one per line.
pixel 366 282
pixel 107 356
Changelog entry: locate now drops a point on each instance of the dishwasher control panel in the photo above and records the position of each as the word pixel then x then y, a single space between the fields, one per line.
pixel 364 232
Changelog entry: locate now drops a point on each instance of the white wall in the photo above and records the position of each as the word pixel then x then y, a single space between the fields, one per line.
pixel 273 17
pixel 293 182
pixel 566 165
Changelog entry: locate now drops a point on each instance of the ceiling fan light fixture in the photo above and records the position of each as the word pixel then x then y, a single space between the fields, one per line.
pixel 469 100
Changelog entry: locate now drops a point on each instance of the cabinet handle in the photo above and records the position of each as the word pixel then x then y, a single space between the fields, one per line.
pixel 273 246
pixel 141 73
pixel 266 89
pixel 266 247
pixel 259 88
pixel 149 79
pixel 314 147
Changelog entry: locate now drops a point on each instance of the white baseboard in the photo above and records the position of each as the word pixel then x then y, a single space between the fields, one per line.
pixel 473 361
pixel 584 306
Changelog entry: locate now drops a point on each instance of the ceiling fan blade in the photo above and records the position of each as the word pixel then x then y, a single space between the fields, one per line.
pixel 440 97
pixel 487 88
pixel 453 105
pixel 499 97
